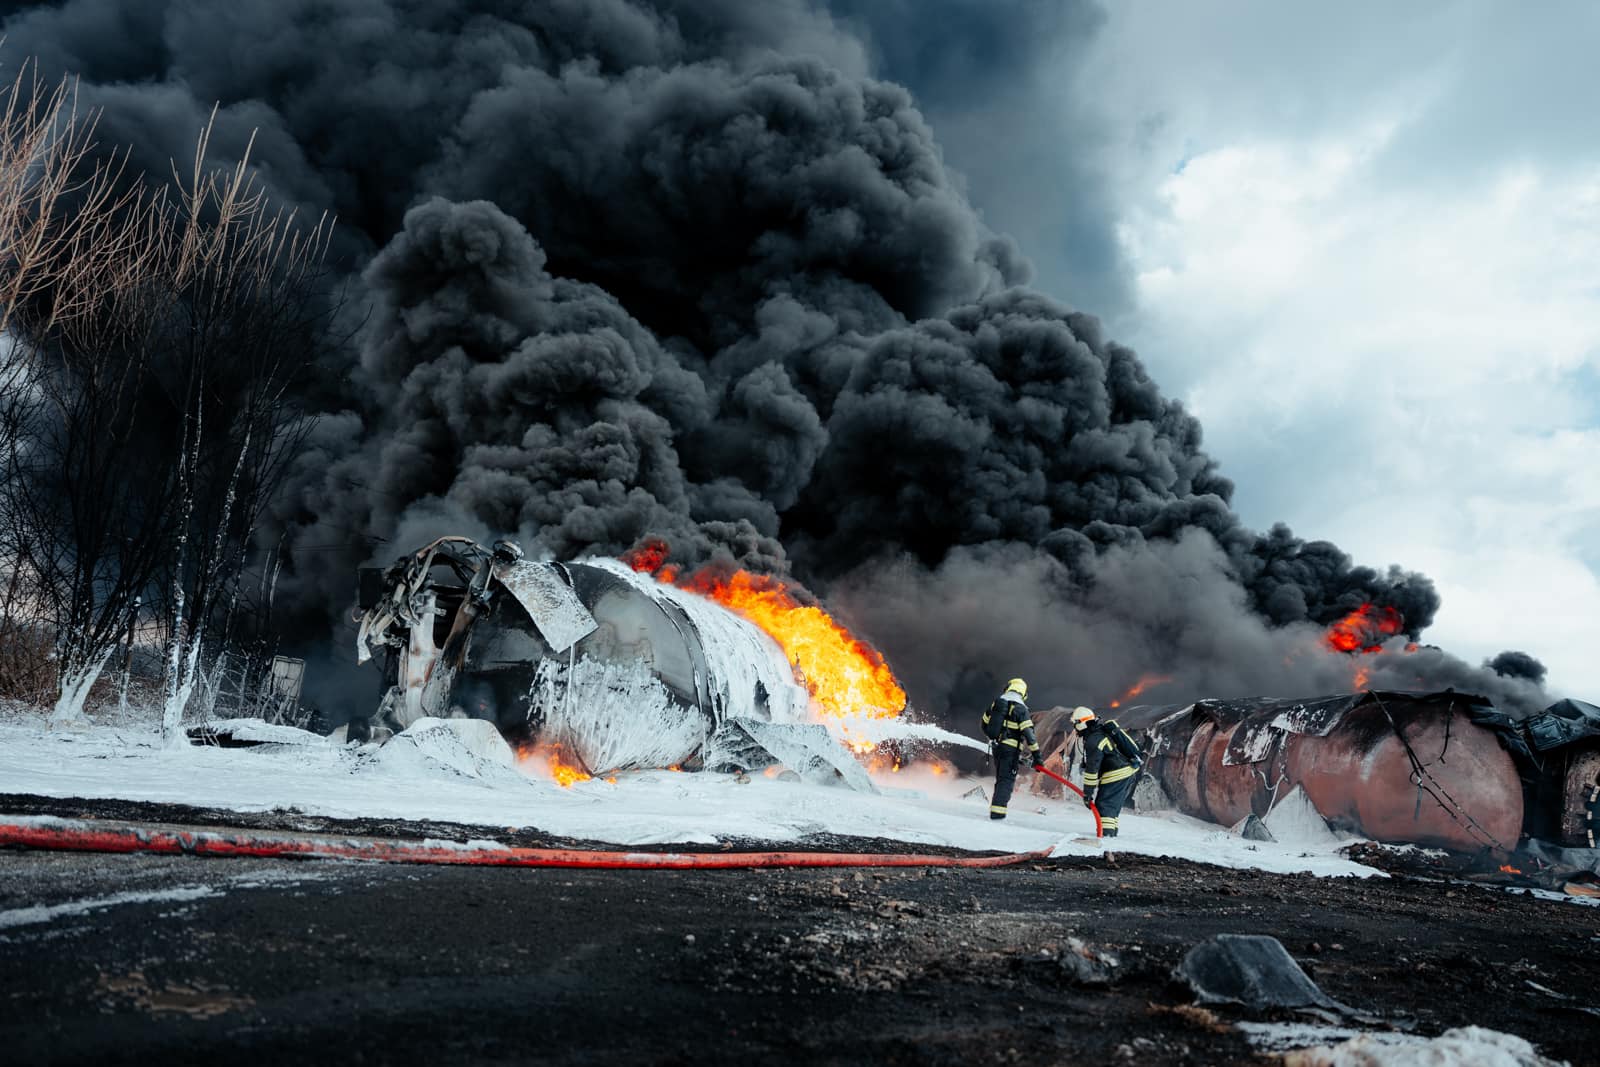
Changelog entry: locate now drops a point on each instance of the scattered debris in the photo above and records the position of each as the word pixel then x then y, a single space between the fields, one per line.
pixel 1086 965
pixel 248 733
pixel 807 749
pixel 1193 1015
pixel 472 748
pixel 1251 828
pixel 1253 971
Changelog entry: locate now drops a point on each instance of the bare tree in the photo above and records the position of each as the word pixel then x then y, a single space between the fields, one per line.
pixel 66 231
pixel 65 224
pixel 156 336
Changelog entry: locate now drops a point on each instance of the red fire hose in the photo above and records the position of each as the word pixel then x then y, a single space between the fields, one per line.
pixel 46 832
pixel 1045 770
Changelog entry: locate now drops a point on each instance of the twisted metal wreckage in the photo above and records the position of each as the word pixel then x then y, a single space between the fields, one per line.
pixel 623 671
pixel 618 670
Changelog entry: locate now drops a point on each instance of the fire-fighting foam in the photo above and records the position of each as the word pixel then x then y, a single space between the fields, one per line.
pixel 595 666
pixel 852 690
pixel 844 675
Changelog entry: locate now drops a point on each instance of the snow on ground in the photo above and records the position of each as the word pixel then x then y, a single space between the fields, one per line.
pixel 636 808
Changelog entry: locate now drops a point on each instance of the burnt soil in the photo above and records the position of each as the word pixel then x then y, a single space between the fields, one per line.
pixel 263 961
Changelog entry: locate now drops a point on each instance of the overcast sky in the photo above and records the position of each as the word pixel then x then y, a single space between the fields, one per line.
pixel 1361 243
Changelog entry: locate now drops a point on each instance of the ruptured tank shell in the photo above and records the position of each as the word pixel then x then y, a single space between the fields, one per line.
pixel 1401 768
pixel 619 670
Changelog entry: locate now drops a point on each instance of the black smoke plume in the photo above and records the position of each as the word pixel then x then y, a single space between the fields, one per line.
pixel 1512 664
pixel 687 269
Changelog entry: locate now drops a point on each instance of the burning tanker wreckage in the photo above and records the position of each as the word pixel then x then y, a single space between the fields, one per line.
pixel 1444 770
pixel 615 669
pixel 602 665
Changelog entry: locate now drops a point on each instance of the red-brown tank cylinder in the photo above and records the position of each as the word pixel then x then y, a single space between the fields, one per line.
pixel 1190 794
pixel 1229 791
pixel 1360 778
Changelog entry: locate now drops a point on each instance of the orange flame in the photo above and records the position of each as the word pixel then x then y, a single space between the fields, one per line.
pixel 882 762
pixel 1508 869
pixel 1363 632
pixel 1364 629
pixel 1140 686
pixel 648 555
pixel 844 675
pixel 887 762
pixel 549 756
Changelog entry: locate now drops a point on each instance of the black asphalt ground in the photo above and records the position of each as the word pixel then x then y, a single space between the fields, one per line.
pixel 141 959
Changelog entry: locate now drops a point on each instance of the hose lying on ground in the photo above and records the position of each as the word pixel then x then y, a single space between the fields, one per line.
pixel 1098 832
pixel 49 832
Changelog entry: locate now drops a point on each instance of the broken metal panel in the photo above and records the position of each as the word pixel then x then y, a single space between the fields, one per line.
pixel 805 748
pixel 550 602
pixel 1563 723
pixel 1253 971
pixel 1253 743
pixel 420 659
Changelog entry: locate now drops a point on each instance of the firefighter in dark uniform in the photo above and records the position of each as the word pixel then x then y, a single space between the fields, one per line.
pixel 1009 725
pixel 1107 771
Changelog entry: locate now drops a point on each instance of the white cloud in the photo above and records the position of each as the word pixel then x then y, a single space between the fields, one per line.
pixel 1401 368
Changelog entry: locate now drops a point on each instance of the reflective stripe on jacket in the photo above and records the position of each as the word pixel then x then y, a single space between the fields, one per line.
pixel 1016 727
pixel 1103 761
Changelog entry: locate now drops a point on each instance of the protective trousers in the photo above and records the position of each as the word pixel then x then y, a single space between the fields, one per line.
pixel 1006 760
pixel 1109 799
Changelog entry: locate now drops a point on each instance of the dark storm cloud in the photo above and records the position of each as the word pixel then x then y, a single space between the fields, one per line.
pixel 684 269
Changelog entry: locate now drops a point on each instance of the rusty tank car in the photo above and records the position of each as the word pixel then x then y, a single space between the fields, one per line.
pixel 1441 769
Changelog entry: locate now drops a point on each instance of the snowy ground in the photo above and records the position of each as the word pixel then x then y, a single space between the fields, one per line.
pixel 639 808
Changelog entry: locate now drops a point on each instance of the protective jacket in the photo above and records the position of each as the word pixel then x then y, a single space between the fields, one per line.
pixel 1107 774
pixel 1015 724
pixel 1103 761
pixel 1010 723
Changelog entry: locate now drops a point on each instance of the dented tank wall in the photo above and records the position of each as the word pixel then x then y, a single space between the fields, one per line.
pixel 1356 771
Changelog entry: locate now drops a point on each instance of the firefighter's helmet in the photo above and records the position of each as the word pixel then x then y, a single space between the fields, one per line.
pixel 1019 687
pixel 1081 717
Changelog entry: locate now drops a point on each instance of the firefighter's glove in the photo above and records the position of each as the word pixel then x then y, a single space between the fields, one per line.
pixel 1038 763
pixel 1088 801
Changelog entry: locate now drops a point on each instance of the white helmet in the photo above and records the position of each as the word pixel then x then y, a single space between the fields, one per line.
pixel 1081 717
